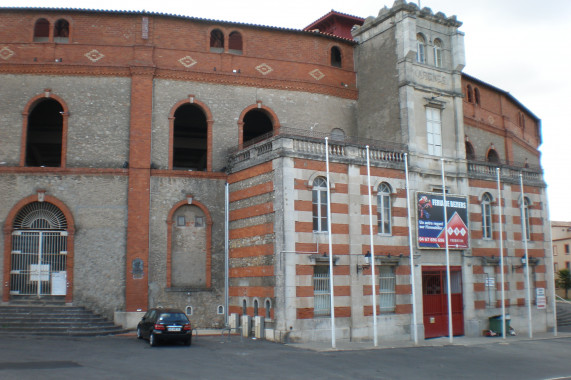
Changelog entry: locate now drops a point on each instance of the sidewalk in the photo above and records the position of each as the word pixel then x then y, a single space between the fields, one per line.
pixel 345 345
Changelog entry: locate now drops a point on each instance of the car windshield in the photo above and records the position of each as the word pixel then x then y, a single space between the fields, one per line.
pixel 173 318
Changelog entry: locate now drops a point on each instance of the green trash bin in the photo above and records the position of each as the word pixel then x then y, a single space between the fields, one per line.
pixel 496 323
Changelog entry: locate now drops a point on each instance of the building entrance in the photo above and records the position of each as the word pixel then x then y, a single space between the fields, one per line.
pixel 435 301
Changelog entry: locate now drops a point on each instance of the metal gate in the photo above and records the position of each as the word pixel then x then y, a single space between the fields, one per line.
pixel 435 301
pixel 321 291
pixel 38 265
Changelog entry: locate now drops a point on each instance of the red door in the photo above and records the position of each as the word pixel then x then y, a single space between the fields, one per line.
pixel 435 301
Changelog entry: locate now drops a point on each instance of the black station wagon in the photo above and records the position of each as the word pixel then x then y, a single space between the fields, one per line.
pixel 162 325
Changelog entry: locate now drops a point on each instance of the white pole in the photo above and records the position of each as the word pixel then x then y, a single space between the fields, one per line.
pixel 503 292
pixel 332 303
pixel 414 329
pixel 226 251
pixel 552 266
pixel 373 282
pixel 450 330
pixel 523 221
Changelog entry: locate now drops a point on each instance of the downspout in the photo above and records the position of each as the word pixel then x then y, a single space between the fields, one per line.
pixel 226 266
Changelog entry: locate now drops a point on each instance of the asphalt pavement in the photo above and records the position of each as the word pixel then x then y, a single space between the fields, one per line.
pixel 221 357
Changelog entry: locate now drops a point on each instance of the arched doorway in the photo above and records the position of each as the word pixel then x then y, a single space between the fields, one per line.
pixel 39 247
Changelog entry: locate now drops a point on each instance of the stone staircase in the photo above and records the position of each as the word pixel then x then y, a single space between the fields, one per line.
pixel 563 313
pixel 50 316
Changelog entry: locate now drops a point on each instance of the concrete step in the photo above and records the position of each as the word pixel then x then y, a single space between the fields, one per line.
pixel 28 318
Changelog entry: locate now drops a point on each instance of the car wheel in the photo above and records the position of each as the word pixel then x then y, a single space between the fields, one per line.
pixel 152 340
pixel 139 333
pixel 188 341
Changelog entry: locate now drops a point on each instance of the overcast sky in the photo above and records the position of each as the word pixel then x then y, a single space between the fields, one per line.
pixel 520 46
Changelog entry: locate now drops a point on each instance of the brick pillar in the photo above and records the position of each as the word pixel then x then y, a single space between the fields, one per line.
pixel 136 284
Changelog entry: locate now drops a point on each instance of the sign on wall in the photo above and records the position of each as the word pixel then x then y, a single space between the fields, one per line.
pixel 430 221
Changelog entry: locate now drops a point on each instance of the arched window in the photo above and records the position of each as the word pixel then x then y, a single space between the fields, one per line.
pixel 384 209
pixel 437 53
pixel 477 95
pixel 420 48
pixel 469 94
pixel 61 31
pixel 487 216
pixel 319 201
pixel 217 41
pixel 335 57
pixel 42 30
pixel 493 156
pixel 337 134
pixel 235 43
pixel 45 134
pixel 470 154
pixel 244 307
pixel 190 146
pixel 257 126
pixel 268 306
pixel 255 308
pixel 526 226
pixel 39 251
pixel 521 119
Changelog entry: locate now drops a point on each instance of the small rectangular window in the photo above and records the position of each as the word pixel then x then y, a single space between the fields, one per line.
pixel 199 221
pixel 181 221
pixel 566 249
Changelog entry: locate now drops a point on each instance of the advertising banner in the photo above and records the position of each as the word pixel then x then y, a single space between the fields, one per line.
pixel 430 217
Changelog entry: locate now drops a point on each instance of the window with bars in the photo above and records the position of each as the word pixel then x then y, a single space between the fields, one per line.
pixel 387 282
pixel 384 209
pixel 487 216
pixel 319 201
pixel 321 291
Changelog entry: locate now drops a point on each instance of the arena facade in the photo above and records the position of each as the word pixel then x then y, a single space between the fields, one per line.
pixel 159 160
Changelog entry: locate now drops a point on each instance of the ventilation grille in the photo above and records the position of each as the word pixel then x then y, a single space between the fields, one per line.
pixel 40 216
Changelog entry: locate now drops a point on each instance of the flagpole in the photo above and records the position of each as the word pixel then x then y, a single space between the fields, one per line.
pixel 373 285
pixel 523 221
pixel 411 252
pixel 501 256
pixel 450 334
pixel 332 301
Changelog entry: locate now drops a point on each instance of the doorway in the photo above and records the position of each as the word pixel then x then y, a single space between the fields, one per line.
pixel 435 301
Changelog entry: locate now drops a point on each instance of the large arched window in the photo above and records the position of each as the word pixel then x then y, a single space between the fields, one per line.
pixel 384 209
pixel 487 216
pixel 217 41
pixel 336 57
pixel 470 154
pixel 190 146
pixel 188 248
pixel 235 43
pixel 493 156
pixel 469 94
pixel 437 53
pixel 44 135
pixel 39 251
pixel 42 30
pixel 420 48
pixel 477 95
pixel 257 126
pixel 61 31
pixel 319 201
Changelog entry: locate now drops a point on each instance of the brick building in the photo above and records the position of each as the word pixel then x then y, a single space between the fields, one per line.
pixel 158 160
